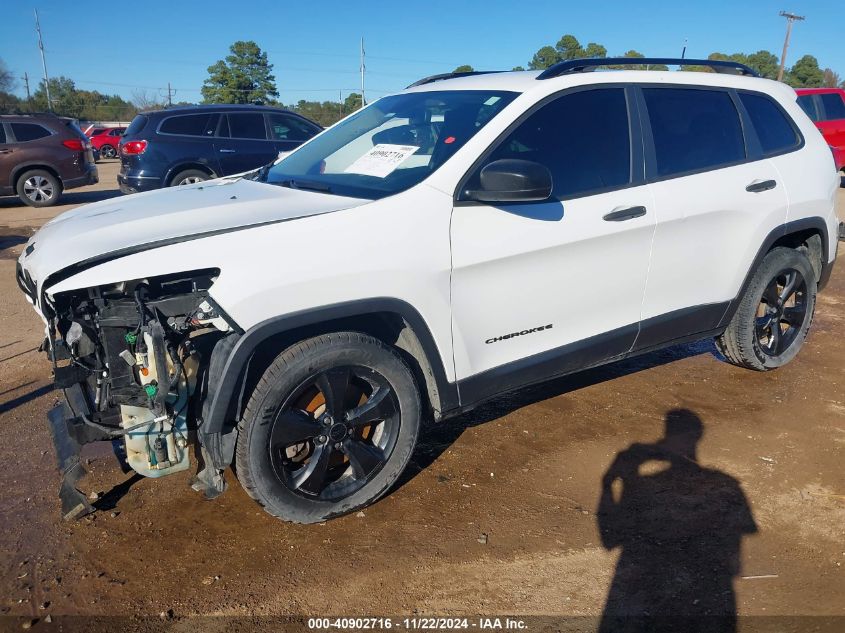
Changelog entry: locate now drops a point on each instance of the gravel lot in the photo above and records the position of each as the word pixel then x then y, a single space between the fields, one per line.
pixel 498 514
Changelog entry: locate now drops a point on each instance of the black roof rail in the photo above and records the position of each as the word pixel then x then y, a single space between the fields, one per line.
pixel 20 113
pixel 442 76
pixel 586 65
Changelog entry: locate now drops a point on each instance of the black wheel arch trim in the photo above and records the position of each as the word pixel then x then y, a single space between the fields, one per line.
pixel 20 169
pixel 815 223
pixel 233 375
pixel 187 165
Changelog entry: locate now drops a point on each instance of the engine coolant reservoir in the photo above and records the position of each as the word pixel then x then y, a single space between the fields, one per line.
pixel 160 447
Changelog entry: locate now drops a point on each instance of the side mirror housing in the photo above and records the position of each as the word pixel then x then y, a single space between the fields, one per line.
pixel 513 180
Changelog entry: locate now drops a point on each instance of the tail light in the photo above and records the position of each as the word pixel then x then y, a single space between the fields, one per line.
pixel 133 148
pixel 74 144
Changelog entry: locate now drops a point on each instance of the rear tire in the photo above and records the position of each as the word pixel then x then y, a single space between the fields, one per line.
pixel 107 151
pixel 39 188
pixel 189 177
pixel 774 316
pixel 329 428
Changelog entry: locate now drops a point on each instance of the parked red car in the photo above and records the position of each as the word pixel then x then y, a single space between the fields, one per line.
pixel 826 107
pixel 107 140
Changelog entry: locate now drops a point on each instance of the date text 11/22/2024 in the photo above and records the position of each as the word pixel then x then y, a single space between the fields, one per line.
pixel 418 623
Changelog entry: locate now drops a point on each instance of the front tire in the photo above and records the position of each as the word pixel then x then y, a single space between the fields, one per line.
pixel 329 428
pixel 774 316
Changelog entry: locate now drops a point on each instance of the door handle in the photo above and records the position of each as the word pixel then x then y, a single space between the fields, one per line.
pixel 227 151
pixel 759 186
pixel 620 215
pixel 6 150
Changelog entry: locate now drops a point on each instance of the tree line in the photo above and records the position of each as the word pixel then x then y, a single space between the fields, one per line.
pixel 245 75
pixel 804 73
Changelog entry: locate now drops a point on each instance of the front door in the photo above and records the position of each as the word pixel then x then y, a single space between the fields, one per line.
pixel 550 287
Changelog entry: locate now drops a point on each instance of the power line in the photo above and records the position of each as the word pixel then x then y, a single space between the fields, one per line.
pixel 790 18
pixel 43 59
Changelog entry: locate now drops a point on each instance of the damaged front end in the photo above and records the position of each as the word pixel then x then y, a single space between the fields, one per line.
pixel 132 360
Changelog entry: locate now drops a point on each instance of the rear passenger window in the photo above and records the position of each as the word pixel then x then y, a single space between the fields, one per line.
pixel 582 138
pixel 834 107
pixel 188 124
pixel 693 130
pixel 247 125
pixel 28 132
pixel 774 130
pixel 808 104
pixel 2 134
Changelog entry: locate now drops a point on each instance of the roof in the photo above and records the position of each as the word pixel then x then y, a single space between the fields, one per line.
pixel 525 81
pixel 218 107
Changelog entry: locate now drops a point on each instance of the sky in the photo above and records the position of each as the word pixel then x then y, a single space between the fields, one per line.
pixel 126 48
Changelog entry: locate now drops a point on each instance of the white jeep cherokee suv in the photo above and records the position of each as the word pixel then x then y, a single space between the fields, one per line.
pixel 470 235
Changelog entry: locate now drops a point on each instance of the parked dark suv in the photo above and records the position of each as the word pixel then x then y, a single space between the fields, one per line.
pixel 41 155
pixel 195 143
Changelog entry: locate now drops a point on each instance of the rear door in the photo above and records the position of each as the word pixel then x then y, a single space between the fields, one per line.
pixel 242 142
pixel 832 117
pixel 716 199
pixel 547 287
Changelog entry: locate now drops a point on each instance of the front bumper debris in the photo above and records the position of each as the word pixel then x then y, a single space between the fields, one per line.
pixel 74 504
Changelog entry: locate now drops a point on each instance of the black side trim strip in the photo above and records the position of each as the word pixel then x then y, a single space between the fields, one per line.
pixel 679 324
pixel 546 365
pixel 689 324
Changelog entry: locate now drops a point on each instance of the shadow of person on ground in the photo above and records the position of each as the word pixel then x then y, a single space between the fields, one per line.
pixel 680 527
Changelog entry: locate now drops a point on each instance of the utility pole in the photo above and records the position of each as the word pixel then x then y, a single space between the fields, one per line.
pixel 26 83
pixel 363 68
pixel 43 61
pixel 169 96
pixel 684 50
pixel 790 18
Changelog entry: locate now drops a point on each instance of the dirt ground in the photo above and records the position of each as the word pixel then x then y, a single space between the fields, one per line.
pixel 501 511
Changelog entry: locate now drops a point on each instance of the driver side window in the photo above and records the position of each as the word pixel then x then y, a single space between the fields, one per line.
pixel 582 138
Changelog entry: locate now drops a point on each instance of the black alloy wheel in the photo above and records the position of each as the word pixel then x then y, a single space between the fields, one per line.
pixel 329 427
pixel 335 432
pixel 781 312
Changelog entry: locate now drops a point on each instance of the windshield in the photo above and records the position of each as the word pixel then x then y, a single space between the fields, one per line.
pixel 391 145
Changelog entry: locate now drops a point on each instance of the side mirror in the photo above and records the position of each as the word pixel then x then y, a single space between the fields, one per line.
pixel 513 180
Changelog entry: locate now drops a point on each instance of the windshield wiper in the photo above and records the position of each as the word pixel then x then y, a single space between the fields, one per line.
pixel 304 184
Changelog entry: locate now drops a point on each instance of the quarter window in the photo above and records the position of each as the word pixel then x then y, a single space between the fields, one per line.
pixel 28 132
pixel 2 134
pixel 188 124
pixel 693 129
pixel 583 139
pixel 774 130
pixel 247 125
pixel 834 107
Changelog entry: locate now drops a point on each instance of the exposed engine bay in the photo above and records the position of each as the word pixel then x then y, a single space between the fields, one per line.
pixel 129 358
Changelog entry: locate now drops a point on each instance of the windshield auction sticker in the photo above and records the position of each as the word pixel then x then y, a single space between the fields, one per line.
pixel 381 160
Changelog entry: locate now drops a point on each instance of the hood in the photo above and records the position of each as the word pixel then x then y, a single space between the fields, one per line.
pixel 141 219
